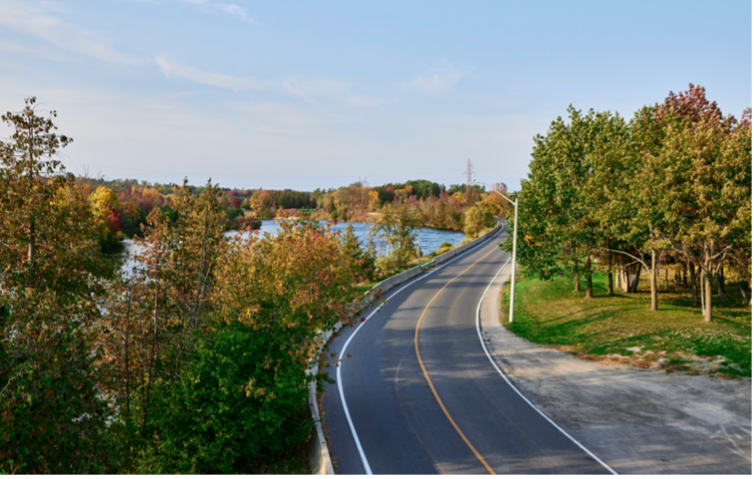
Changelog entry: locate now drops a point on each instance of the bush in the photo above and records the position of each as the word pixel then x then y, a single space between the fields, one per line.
pixel 444 247
pixel 230 408
pixel 248 221
pixel 51 418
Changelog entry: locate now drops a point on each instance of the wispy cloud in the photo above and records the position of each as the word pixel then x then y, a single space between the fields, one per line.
pixel 310 91
pixel 26 51
pixel 237 84
pixel 438 80
pixel 36 20
pixel 229 8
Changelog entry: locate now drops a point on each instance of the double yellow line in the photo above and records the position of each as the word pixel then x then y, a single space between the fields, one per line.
pixel 426 375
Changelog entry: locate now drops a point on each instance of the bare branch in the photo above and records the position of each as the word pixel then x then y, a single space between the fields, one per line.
pixel 629 255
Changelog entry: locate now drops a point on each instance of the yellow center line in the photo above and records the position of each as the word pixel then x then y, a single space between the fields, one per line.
pixel 426 375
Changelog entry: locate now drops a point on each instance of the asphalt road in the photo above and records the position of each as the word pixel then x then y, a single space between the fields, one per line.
pixel 443 409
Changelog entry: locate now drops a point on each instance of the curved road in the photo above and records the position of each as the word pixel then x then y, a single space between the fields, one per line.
pixel 424 398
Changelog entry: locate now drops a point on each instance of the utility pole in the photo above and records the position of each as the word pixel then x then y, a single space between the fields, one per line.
pixel 469 174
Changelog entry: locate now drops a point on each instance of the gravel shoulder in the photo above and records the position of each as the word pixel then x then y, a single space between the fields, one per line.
pixel 639 421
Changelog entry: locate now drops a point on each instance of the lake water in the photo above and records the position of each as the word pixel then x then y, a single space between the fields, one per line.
pixel 428 239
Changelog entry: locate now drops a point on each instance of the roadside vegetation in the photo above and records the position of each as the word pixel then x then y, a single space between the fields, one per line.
pixel 635 236
pixel 669 189
pixel 618 328
pixel 197 361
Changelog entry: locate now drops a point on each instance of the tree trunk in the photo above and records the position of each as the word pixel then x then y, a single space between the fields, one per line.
pixel 610 290
pixel 685 279
pixel 742 285
pixel 32 243
pixel 707 297
pixel 588 274
pixel 128 332
pixel 152 362
pixel 653 283
pixel 720 283
pixel 634 276
pixel 32 235
pixel 577 282
pixel 666 276
pixel 694 290
pixel 701 289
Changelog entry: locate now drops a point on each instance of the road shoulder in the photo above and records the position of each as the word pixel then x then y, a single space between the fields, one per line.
pixel 636 420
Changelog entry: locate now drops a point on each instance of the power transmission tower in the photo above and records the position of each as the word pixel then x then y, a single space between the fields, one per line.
pixel 469 173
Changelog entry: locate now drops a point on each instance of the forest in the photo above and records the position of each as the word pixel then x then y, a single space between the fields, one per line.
pixel 670 188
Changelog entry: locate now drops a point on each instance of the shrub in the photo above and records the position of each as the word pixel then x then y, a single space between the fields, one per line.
pixel 248 221
pixel 231 407
pixel 51 418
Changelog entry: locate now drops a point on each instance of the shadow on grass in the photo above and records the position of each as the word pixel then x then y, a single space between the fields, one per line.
pixel 550 312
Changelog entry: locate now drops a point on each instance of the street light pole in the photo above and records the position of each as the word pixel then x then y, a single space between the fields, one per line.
pixel 513 273
pixel 515 237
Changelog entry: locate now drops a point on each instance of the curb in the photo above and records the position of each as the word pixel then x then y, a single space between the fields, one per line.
pixel 319 454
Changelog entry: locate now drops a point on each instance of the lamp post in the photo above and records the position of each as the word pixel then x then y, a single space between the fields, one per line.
pixel 515 237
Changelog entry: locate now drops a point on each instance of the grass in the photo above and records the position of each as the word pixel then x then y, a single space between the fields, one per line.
pixel 620 328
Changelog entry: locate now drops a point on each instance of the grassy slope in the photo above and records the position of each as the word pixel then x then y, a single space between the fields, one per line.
pixel 623 329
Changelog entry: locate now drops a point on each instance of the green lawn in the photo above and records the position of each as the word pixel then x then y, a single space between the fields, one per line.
pixel 621 327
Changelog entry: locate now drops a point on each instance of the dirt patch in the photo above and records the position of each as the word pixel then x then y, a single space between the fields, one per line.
pixel 637 412
pixel 647 359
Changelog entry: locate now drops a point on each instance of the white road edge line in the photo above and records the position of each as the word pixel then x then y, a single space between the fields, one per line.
pixel 364 461
pixel 494 364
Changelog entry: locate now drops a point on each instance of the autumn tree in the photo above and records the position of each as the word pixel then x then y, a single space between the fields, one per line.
pixel 52 417
pixel 709 164
pixel 156 309
pixel 493 202
pixel 244 385
pixel 477 220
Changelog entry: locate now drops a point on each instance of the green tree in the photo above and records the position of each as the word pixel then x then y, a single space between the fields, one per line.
pixel 28 162
pixel 360 260
pixel 396 226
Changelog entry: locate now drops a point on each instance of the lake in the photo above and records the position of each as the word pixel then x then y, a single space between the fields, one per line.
pixel 428 239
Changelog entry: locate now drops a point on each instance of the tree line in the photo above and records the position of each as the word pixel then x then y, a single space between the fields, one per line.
pixel 124 205
pixel 670 186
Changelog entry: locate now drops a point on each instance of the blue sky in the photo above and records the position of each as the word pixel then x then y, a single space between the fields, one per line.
pixel 320 94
